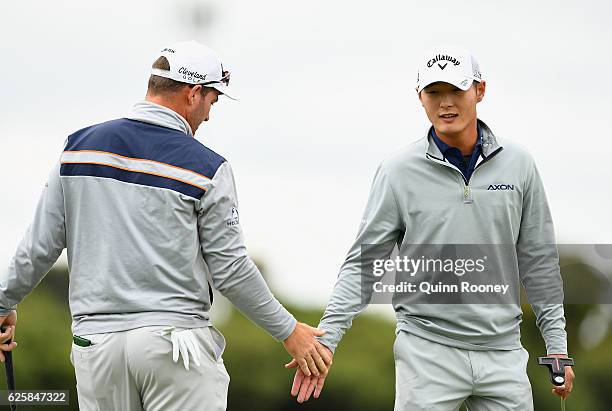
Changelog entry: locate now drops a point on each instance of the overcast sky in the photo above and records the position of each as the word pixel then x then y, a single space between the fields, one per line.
pixel 326 92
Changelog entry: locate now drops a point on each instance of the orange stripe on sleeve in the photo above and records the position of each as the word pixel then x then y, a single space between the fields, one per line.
pixel 138 159
pixel 134 171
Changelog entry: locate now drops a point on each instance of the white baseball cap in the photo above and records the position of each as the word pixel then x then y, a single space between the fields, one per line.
pixel 194 63
pixel 448 64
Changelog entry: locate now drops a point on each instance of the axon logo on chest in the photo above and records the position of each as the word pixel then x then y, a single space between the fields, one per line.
pixel 501 187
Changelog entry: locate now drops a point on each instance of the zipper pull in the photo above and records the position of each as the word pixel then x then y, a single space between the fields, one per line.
pixel 467 195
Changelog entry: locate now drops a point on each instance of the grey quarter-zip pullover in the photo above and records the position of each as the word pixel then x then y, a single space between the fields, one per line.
pixel 419 198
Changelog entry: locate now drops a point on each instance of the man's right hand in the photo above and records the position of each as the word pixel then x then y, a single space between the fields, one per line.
pixel 311 356
pixel 8 323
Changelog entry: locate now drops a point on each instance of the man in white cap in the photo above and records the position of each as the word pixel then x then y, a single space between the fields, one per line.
pixel 458 185
pixel 149 216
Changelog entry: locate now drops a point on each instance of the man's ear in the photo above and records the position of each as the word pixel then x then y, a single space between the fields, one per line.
pixel 192 93
pixel 480 90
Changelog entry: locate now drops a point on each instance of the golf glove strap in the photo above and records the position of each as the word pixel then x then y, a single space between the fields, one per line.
pixel 183 343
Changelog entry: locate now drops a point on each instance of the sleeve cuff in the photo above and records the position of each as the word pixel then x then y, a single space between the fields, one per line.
pixel 330 339
pixel 556 344
pixel 6 311
pixel 287 330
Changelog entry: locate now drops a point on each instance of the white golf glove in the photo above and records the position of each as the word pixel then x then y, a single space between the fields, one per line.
pixel 185 343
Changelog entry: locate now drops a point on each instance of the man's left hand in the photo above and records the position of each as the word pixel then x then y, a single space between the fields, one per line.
pixel 9 321
pixel 305 386
pixel 564 390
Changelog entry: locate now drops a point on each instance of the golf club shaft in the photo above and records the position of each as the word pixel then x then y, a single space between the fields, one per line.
pixel 8 368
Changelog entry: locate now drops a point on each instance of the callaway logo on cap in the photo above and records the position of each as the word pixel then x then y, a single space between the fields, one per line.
pixel 448 64
pixel 194 63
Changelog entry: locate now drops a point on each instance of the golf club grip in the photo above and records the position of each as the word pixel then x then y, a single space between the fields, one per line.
pixel 8 368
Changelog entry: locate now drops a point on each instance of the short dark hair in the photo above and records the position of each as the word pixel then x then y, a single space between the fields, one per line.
pixel 163 85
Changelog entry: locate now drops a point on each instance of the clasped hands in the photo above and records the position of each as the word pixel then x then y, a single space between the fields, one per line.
pixel 311 360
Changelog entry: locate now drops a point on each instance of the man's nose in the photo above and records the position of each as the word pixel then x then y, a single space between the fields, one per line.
pixel 446 101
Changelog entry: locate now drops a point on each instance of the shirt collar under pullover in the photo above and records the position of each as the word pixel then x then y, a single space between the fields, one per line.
pixel 490 144
pixel 464 163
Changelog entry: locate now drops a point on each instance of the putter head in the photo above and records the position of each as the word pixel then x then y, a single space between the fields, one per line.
pixel 556 368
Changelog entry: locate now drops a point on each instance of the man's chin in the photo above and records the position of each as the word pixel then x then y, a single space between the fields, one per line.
pixel 448 128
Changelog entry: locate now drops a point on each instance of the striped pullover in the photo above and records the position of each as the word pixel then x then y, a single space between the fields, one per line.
pixel 148 216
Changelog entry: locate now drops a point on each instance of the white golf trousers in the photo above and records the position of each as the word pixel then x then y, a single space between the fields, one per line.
pixel 435 377
pixel 133 371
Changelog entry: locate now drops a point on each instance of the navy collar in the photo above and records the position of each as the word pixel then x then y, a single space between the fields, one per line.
pixel 444 148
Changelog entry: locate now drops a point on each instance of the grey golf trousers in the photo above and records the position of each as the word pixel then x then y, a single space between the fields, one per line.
pixel 133 371
pixel 436 377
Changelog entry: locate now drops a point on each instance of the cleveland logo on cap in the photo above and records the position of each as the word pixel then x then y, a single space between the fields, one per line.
pixel 191 74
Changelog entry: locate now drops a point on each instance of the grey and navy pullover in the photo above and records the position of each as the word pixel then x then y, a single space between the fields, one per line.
pixel 148 215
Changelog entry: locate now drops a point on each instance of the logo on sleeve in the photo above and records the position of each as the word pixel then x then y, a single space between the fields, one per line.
pixel 233 220
pixel 504 187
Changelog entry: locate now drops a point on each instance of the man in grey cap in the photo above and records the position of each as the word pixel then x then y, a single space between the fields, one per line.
pixel 149 217
pixel 458 185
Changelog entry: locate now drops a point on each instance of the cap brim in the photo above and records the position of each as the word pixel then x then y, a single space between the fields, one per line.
pixel 462 82
pixel 222 89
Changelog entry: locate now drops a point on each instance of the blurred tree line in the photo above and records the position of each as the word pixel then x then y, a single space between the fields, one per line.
pixel 362 377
